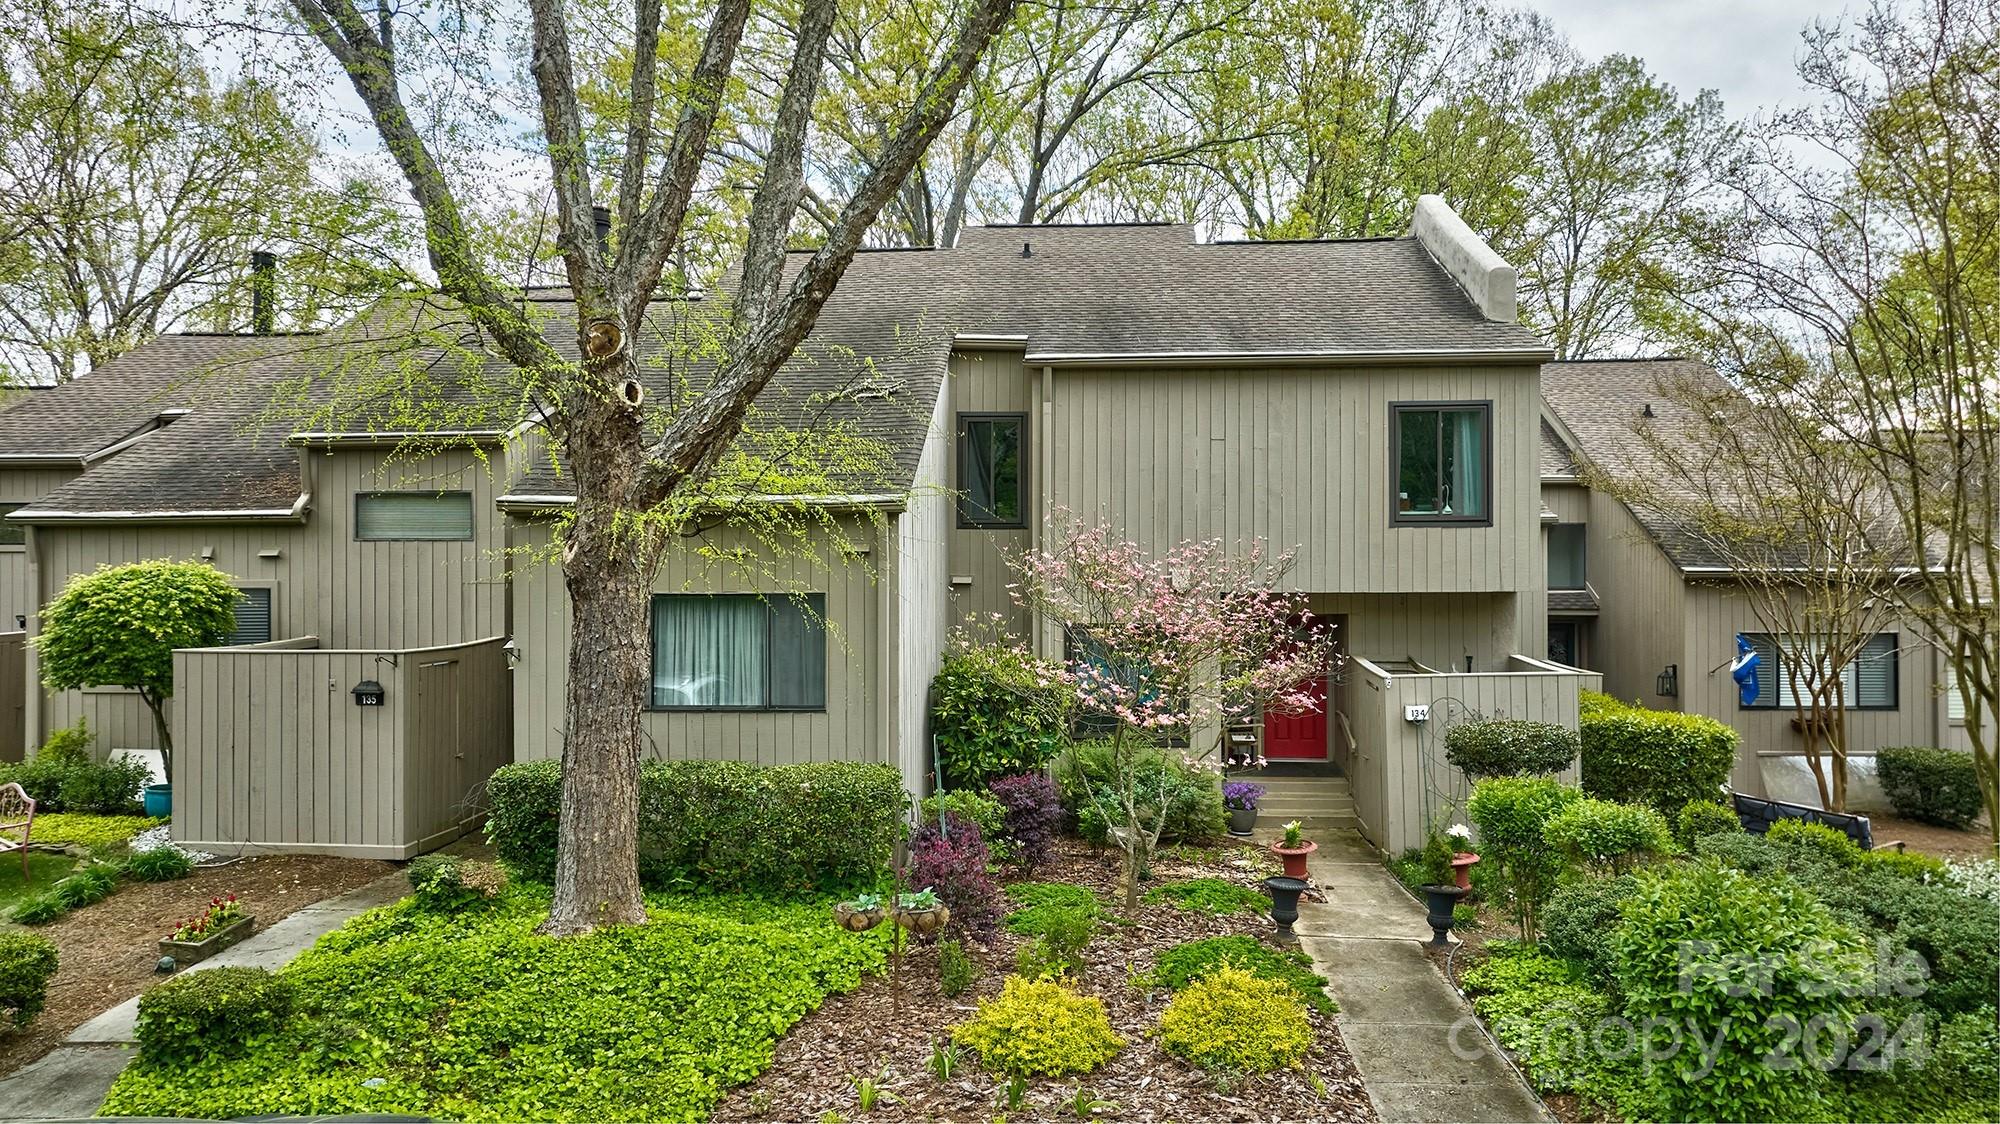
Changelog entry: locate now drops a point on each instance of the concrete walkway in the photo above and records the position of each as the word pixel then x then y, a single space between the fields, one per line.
pixel 1421 1051
pixel 70 1083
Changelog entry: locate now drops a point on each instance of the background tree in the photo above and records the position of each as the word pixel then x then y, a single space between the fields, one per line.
pixel 1861 287
pixel 118 626
pixel 134 187
pixel 627 455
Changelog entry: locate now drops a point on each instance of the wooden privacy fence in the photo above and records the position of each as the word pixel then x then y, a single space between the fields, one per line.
pixel 13 695
pixel 274 751
pixel 1400 778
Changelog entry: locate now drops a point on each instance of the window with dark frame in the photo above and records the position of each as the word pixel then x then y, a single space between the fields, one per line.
pixel 1566 558
pixel 738 651
pixel 1869 681
pixel 992 470
pixel 12 534
pixel 1443 461
pixel 253 616
pixel 413 516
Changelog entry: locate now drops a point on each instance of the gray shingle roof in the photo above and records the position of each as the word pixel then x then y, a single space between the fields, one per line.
pixel 1557 460
pixel 81 417
pixel 1572 601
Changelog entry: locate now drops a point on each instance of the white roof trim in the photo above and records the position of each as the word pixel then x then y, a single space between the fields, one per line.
pixel 391 436
pixel 296 511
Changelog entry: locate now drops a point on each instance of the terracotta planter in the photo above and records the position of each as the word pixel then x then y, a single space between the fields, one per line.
pixel 1461 869
pixel 923 922
pixel 1242 821
pixel 188 952
pixel 1295 857
pixel 1439 902
pixel 857 920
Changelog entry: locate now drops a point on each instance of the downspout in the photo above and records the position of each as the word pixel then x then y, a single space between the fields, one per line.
pixel 34 711
pixel 1045 457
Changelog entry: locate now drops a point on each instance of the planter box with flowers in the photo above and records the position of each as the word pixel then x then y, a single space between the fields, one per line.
pixel 198 938
pixel 1241 797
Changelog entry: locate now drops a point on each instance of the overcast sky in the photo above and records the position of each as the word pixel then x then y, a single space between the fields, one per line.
pixel 1743 48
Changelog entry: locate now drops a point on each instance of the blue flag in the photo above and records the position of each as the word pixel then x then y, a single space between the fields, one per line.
pixel 1743 669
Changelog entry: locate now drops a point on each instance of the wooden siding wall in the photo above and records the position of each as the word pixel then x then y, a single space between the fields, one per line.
pixel 1404 783
pixel 1570 502
pixel 13 695
pixel 1298 457
pixel 852 727
pixel 991 382
pixel 923 600
pixel 1640 626
pixel 1438 629
pixel 17 581
pixel 324 583
pixel 274 755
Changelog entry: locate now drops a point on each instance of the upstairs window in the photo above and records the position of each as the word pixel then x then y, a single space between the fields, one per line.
pixel 1867 683
pixel 253 617
pixel 992 476
pixel 738 651
pixel 413 516
pixel 1566 556
pixel 1441 455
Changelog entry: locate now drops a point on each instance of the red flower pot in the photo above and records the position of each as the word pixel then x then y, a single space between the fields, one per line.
pixel 1461 869
pixel 1295 857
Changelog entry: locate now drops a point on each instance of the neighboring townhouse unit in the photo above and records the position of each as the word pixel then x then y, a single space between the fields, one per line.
pixel 1373 405
pixel 1657 612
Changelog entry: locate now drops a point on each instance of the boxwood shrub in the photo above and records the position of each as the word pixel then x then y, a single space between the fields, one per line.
pixel 997 710
pixel 1659 757
pixel 1937 786
pixel 721 824
pixel 216 1011
pixel 1510 747
pixel 26 963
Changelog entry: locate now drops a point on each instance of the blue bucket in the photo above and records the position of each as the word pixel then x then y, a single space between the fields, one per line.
pixel 159 800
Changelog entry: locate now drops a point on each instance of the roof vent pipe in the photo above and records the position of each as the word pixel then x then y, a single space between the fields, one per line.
pixel 600 216
pixel 263 292
pixel 1647 412
pixel 1027 251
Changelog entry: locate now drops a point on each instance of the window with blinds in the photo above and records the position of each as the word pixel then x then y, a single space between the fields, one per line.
pixel 1954 702
pixel 413 516
pixel 253 617
pixel 728 651
pixel 1868 681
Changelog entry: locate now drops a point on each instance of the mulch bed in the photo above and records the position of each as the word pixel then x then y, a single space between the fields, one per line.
pixel 885 1033
pixel 108 948
pixel 1944 842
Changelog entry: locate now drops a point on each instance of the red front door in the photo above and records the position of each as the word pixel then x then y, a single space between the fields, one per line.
pixel 1299 737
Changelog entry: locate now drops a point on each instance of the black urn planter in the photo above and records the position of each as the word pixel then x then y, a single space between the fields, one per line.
pixel 1285 902
pixel 1439 902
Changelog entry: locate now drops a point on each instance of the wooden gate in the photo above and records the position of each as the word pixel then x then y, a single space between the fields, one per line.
pixel 13 695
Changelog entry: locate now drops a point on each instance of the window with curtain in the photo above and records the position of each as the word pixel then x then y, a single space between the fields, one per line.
pixel 12 534
pixel 253 617
pixel 413 516
pixel 733 651
pixel 1566 556
pixel 992 479
pixel 1868 681
pixel 1441 463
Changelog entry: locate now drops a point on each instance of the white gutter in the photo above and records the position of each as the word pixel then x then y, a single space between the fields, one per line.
pixel 41 460
pixel 1331 358
pixel 393 436
pixel 296 512
pixel 1734 570
pixel 867 499
pixel 989 340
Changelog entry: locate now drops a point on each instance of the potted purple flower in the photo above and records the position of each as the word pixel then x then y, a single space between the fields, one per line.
pixel 1241 797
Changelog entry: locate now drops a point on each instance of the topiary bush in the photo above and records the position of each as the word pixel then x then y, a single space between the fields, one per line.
pixel 1039 1028
pixel 997 710
pixel 1185 963
pixel 215 1011
pixel 950 858
pixel 27 962
pixel 1733 961
pixel 1032 816
pixel 1510 747
pixel 1511 813
pixel 161 864
pixel 1662 758
pixel 1606 836
pixel 726 825
pixel 1699 819
pixel 1578 924
pixel 1936 786
pixel 1233 1022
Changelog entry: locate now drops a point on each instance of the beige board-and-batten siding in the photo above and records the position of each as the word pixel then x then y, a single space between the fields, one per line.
pixel 858 722
pixel 992 381
pixel 273 753
pixel 17 583
pixel 1402 784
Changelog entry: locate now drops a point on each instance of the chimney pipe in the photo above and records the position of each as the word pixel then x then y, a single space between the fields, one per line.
pixel 601 216
pixel 263 292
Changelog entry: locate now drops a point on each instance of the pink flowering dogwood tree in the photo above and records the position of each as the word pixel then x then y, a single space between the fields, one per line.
pixel 1164 648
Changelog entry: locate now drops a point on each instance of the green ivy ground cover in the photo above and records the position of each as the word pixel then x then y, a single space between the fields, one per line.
pixel 471 1016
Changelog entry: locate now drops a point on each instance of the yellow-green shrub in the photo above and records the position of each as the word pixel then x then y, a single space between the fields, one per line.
pixel 1039 1027
pixel 1233 1021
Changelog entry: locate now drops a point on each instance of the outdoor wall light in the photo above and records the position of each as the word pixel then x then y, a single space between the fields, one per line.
pixel 368 693
pixel 512 650
pixel 1668 685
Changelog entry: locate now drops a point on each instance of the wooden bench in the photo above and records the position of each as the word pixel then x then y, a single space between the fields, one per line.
pixel 17 811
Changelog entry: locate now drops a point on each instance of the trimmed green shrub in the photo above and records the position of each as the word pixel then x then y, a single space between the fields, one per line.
pixel 1658 757
pixel 1039 1028
pixel 1936 786
pixel 1608 836
pixel 997 710
pixel 1510 747
pixel 1511 813
pixel 27 961
pixel 1233 1022
pixel 110 789
pixel 1699 819
pixel 957 970
pixel 1695 939
pixel 218 1011
pixel 161 864
pixel 1185 963
pixel 1580 919
pixel 722 824
pixel 1192 796
pixel 1215 896
pixel 1751 854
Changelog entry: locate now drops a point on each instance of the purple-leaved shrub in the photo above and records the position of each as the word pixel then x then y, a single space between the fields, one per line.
pixel 1034 812
pixel 950 858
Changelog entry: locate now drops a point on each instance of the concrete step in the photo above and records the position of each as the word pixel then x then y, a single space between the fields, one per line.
pixel 1338 821
pixel 1271 807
